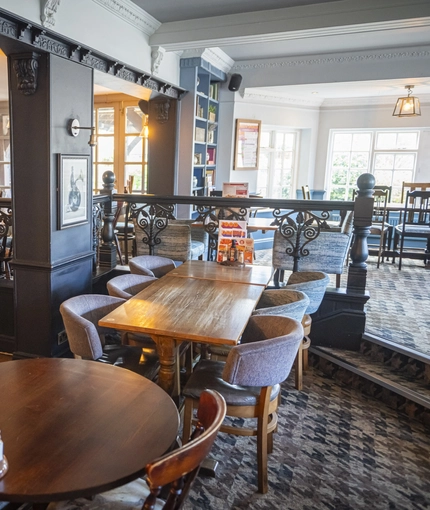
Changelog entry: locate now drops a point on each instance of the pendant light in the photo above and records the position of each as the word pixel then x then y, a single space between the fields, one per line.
pixel 407 106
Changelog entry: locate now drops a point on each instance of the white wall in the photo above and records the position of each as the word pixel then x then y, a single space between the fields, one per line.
pixel 367 117
pixel 270 114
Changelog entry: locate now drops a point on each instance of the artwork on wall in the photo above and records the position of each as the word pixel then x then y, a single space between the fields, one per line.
pixel 73 185
pixel 247 145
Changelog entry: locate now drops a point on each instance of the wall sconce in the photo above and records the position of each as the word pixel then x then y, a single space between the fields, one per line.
pixel 407 106
pixel 73 128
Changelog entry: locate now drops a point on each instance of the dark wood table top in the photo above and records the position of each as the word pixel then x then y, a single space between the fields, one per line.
pixel 74 428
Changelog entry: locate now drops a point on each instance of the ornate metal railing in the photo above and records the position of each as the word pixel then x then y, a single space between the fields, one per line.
pixel 300 222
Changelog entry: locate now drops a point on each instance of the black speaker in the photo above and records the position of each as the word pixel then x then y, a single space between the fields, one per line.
pixel 235 81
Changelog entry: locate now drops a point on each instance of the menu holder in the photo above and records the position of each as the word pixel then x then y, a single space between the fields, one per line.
pixel 243 250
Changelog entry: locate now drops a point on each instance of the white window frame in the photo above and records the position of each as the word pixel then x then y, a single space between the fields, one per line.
pixel 296 150
pixel 372 151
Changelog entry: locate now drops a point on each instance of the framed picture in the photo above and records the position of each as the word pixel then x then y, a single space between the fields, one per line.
pixel 73 185
pixel 247 145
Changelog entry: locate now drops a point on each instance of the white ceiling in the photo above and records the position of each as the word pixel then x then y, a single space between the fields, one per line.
pixel 179 10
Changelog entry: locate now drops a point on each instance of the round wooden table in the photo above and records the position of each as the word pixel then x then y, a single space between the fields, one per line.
pixel 74 428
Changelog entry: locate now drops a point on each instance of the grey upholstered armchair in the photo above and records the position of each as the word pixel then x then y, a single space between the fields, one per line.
pixel 250 381
pixel 128 285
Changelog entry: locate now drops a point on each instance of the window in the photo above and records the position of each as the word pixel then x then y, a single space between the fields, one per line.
pixel 277 163
pixel 5 176
pixel 389 155
pixel 122 144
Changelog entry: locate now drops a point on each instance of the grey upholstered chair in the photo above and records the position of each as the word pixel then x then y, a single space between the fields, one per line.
pixel 87 339
pixel 128 285
pixel 314 285
pixel 151 265
pixel 179 241
pixel 250 381
pixel 177 468
pixel 328 252
pixel 286 303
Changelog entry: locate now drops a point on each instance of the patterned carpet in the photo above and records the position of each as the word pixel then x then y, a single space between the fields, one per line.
pixel 335 450
pixel 398 306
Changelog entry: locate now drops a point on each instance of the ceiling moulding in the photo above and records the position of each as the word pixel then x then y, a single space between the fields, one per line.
pixel 388 101
pixel 281 99
pixel 132 14
pixel 214 56
pixel 225 31
pixel 334 59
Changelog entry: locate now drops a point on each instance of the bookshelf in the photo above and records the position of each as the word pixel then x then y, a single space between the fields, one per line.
pixel 199 116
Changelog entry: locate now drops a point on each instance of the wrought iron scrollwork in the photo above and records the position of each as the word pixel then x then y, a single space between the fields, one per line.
pixel 299 228
pixel 5 244
pixel 98 214
pixel 210 216
pixel 151 219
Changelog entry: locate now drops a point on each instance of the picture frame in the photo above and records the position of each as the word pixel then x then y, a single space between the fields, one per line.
pixel 73 189
pixel 247 144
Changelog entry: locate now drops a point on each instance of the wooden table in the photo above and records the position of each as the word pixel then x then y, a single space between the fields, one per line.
pixel 249 274
pixel 74 428
pixel 175 309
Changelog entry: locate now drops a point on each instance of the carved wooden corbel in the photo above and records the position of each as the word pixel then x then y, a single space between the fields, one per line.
pixel 162 111
pixel 25 66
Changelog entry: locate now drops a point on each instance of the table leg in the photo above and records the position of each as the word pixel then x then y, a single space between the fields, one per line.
pixel 167 352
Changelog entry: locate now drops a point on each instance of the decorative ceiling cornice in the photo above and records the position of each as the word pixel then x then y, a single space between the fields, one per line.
pixel 132 14
pixel 337 59
pixel 269 97
pixel 370 101
pixel 165 38
pixel 214 56
pixel 42 40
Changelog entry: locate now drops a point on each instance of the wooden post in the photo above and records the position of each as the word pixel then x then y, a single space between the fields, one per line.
pixel 363 210
pixel 108 248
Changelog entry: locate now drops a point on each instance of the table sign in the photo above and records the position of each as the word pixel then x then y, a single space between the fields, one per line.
pixel 233 244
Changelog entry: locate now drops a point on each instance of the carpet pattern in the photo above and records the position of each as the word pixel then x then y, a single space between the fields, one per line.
pixel 335 449
pixel 398 306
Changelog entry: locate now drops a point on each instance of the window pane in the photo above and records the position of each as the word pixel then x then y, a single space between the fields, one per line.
pixel 136 171
pixel 289 141
pixel 341 159
pixel 133 119
pixel 360 160
pixel 404 161
pixel 105 148
pixel 263 161
pixel 262 177
pixel 105 123
pixel 353 176
pixel 279 141
pixel 339 177
pixel 338 193
pixel 400 177
pixel 342 142
pixel 407 141
pixel 361 142
pixel 386 141
pixel 384 161
pixel 133 148
pixel 383 177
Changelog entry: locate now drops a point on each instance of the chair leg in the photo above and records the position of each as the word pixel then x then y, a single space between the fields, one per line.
pixel 188 419
pixel 298 368
pixel 262 439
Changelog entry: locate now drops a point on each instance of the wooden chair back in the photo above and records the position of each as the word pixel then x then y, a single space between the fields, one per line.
pixel 382 187
pixel 412 186
pixel 306 192
pixel 380 200
pixel 417 208
pixel 180 467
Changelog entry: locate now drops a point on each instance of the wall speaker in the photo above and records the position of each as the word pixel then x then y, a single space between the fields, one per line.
pixel 235 81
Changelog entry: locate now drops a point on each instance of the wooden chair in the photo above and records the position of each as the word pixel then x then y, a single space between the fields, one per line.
pixel 380 225
pixel 88 340
pixel 306 192
pixel 175 471
pixel 250 381
pixel 412 186
pixel 414 223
